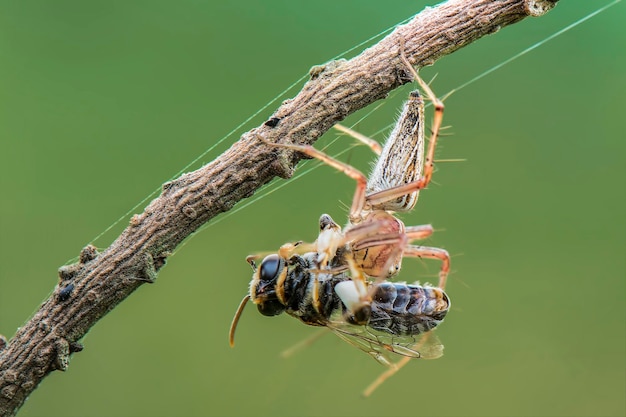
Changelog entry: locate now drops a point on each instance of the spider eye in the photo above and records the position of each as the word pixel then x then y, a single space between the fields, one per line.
pixel 269 267
pixel 271 308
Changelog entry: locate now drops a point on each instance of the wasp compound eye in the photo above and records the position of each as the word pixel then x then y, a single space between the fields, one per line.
pixel 271 308
pixel 269 267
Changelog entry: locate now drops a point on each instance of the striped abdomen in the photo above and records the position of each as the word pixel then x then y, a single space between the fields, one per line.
pixel 403 309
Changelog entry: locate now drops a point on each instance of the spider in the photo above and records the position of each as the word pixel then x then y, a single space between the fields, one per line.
pixel 375 240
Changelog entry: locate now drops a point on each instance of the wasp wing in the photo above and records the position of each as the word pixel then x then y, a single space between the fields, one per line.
pixel 387 348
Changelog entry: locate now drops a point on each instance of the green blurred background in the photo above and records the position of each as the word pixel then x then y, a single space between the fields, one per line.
pixel 102 101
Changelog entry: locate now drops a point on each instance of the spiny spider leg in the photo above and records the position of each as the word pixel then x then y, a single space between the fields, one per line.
pixel 371 143
pixel 419 232
pixel 361 180
pixel 432 253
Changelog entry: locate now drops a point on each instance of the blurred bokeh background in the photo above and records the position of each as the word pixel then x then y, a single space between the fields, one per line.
pixel 101 102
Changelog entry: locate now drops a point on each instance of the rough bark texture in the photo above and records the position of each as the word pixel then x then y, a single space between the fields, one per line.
pixel 96 284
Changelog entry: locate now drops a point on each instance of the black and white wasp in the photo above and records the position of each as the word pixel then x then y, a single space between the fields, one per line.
pixel 398 316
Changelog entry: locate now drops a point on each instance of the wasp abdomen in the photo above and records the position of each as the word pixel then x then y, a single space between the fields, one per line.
pixel 403 309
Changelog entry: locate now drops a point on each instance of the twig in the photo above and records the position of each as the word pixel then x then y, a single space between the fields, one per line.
pixel 96 284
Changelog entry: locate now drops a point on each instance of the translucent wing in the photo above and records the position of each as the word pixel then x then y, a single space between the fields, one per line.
pixel 386 348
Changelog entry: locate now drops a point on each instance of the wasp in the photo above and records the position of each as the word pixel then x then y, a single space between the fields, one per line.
pixel 398 314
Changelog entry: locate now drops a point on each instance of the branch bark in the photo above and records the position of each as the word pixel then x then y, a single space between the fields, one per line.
pixel 96 284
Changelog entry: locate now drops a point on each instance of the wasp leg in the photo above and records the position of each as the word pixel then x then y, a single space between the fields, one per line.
pixel 303 343
pixel 326 244
pixel 393 368
pixel 287 250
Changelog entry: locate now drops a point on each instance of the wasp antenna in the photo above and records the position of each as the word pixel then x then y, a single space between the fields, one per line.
pixel 250 259
pixel 233 325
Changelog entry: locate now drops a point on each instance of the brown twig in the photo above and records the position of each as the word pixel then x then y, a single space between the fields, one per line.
pixel 96 284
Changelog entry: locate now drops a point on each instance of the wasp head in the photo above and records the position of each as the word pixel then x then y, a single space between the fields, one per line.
pixel 263 290
pixel 266 284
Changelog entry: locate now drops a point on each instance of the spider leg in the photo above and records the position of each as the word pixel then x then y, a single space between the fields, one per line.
pixel 419 232
pixel 371 143
pixel 432 253
pixel 358 200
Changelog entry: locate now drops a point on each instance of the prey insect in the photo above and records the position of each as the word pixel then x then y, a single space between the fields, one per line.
pixel 399 314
